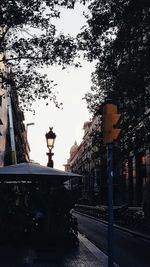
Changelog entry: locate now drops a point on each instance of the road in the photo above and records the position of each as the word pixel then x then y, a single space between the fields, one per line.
pixel 129 250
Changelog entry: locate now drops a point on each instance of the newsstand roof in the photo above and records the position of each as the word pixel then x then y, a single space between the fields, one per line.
pixel 30 171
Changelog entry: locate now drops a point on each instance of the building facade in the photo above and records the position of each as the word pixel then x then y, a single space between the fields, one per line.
pixel 3 116
pixel 14 146
pixel 85 160
pixel 131 168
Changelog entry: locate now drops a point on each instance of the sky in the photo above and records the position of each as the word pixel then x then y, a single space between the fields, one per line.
pixel 68 122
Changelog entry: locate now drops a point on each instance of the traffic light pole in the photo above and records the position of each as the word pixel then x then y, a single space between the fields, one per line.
pixel 110 203
pixel 110 134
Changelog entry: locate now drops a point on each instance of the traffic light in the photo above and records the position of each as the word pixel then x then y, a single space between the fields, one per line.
pixel 110 120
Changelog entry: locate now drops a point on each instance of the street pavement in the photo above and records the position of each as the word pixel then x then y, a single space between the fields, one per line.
pixel 86 255
pixel 130 248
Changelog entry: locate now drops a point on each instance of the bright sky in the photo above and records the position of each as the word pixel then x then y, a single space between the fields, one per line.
pixel 67 123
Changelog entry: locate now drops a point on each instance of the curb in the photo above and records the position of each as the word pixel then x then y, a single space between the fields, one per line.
pixel 101 257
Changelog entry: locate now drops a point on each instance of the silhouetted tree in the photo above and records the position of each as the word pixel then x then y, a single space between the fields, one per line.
pixel 118 38
pixel 28 42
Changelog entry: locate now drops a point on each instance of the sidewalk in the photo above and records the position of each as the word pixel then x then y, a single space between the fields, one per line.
pixel 86 255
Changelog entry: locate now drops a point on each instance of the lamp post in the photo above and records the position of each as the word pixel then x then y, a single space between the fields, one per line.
pixel 50 139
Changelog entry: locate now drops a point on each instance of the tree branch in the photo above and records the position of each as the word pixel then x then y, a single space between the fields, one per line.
pixel 3 35
pixel 4 59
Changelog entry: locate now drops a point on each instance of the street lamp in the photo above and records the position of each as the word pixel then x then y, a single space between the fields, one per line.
pixel 50 139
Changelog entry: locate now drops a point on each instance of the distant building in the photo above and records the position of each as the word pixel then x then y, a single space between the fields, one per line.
pixel 85 160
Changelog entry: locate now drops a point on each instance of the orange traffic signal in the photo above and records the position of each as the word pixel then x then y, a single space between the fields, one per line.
pixel 110 120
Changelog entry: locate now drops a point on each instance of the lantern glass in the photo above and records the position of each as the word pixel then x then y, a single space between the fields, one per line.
pixel 50 138
pixel 50 143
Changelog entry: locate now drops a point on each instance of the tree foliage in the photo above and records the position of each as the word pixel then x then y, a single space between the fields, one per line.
pixel 118 38
pixel 29 41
